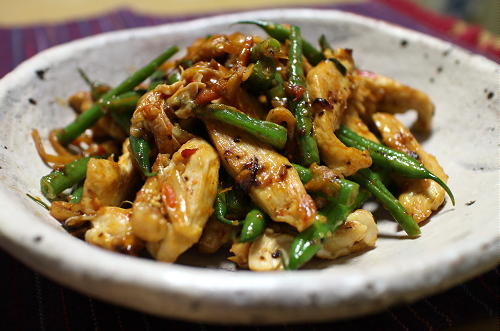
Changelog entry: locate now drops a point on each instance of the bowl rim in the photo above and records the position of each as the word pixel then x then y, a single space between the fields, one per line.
pixel 55 258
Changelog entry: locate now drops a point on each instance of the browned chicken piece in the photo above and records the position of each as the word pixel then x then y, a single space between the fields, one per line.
pixel 62 210
pixel 217 46
pixel 214 236
pixel 82 101
pixel 182 102
pixel 384 94
pixel 149 215
pixel 150 118
pixel 352 120
pixel 241 252
pixel 111 229
pixel 268 252
pixel 108 183
pixel 358 233
pixel 420 197
pixel 329 90
pixel 268 177
pixel 179 202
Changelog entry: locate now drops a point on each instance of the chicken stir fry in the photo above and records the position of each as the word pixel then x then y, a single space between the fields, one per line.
pixel 261 146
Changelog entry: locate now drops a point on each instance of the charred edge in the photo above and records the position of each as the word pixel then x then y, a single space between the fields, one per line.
pixel 340 67
pixel 248 176
pixel 276 254
pixel 283 172
pixel 323 103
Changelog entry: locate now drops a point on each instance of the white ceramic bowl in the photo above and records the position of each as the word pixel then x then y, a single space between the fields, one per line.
pixel 458 243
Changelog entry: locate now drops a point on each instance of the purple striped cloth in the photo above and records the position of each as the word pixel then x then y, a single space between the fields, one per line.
pixel 32 302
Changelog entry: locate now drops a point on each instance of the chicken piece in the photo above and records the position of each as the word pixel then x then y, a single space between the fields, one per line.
pixel 384 94
pixel 182 199
pixel 268 252
pixel 150 118
pixel 420 197
pixel 214 236
pixel 215 46
pixel 111 229
pixel 108 183
pixel 241 252
pixel 62 210
pixel 149 220
pixel 268 177
pixel 358 233
pixel 353 121
pixel 329 90
pixel 183 100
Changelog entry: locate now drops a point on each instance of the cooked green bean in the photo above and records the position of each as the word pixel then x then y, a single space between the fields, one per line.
pixel 389 158
pixel 266 132
pixel 89 117
pixel 253 225
pixel 220 210
pixel 57 181
pixel 76 195
pixel 308 242
pixel 282 33
pixel 373 183
pixel 141 152
pixel 323 43
pixel 305 174
pixel 308 148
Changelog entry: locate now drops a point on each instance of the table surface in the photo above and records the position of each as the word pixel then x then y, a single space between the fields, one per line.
pixel 34 302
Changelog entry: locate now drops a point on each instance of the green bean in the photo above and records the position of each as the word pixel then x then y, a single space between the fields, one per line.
pixel 266 132
pixel 308 148
pixel 123 102
pixel 265 49
pixel 277 91
pixel 392 159
pixel 141 152
pixel 89 117
pixel 57 181
pixel 282 33
pixel 220 210
pixel 76 195
pixel 305 174
pixel 308 242
pixel 323 43
pixel 253 225
pixel 237 203
pixel 373 183
pixel 264 68
pixel 262 76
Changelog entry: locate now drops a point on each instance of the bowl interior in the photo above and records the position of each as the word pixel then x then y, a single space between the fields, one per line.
pixel 464 139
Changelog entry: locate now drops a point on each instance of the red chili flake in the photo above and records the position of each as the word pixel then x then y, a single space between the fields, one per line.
pixel 295 91
pixel 168 196
pixel 186 153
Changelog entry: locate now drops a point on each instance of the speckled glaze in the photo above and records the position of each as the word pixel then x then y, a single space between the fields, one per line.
pixel 456 244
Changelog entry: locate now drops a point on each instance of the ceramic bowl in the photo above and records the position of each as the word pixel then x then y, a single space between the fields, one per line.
pixel 456 244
